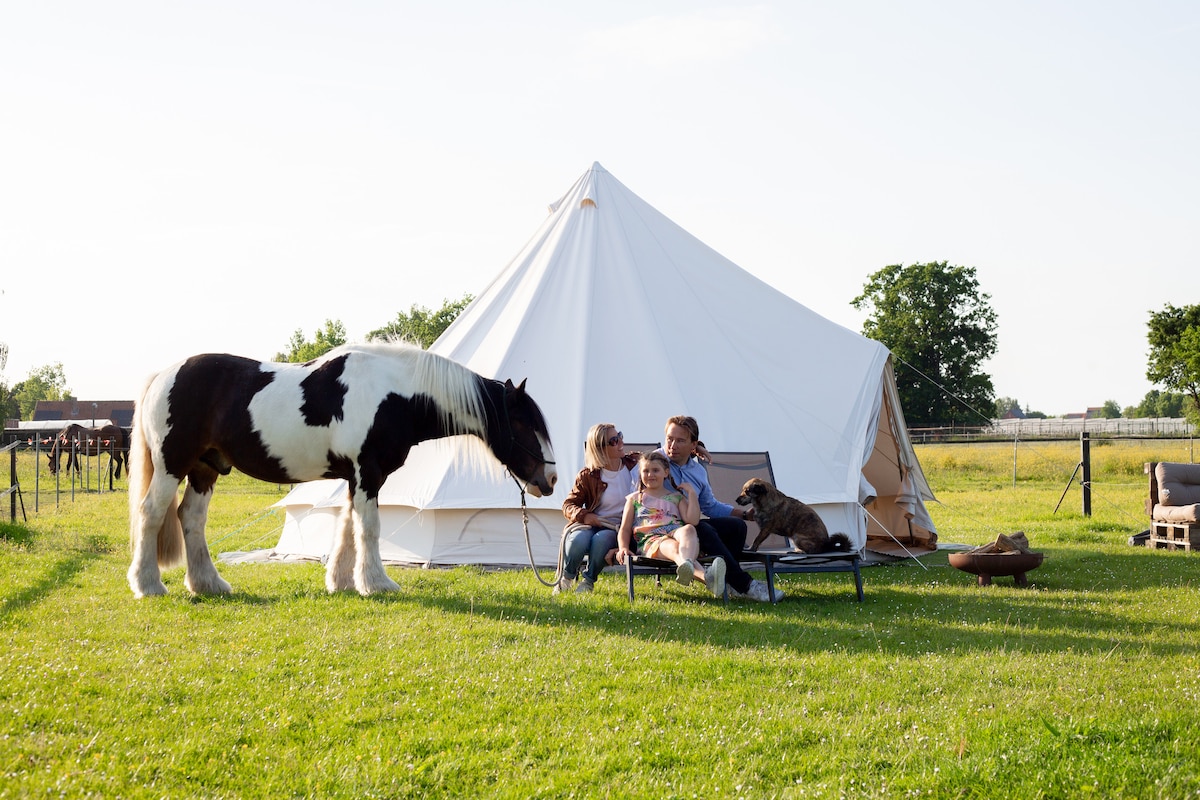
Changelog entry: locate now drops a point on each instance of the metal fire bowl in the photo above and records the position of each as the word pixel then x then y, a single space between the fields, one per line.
pixel 989 565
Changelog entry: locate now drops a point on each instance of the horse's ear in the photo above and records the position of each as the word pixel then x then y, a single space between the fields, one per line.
pixel 517 390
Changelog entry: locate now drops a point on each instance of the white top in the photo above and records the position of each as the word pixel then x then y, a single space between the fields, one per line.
pixel 612 502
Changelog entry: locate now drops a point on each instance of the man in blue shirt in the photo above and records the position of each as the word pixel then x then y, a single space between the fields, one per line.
pixel 723 533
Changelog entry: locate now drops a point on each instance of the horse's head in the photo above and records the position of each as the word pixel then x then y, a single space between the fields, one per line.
pixel 523 443
pixel 56 449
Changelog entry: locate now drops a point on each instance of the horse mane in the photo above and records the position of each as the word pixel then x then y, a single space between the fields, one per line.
pixel 454 388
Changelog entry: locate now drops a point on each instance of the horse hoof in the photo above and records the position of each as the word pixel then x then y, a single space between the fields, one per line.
pixel 148 591
pixel 388 586
pixel 217 587
pixel 335 584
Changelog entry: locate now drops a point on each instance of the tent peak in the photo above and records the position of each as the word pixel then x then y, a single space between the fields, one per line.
pixel 584 189
pixel 589 186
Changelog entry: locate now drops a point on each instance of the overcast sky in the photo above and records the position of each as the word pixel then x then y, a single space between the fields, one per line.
pixel 179 178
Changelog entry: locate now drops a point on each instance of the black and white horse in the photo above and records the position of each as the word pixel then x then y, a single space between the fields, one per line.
pixel 354 413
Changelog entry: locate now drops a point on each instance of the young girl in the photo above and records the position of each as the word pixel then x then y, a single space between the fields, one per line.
pixel 663 523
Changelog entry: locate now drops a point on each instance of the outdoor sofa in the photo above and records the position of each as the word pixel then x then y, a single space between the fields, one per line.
pixel 1174 505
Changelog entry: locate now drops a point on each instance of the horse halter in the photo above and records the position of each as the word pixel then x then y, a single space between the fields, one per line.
pixel 512 436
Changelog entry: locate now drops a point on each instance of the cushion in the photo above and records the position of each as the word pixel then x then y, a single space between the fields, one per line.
pixel 1178 484
pixel 1177 513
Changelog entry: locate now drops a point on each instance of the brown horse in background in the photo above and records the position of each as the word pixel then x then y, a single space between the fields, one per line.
pixel 109 439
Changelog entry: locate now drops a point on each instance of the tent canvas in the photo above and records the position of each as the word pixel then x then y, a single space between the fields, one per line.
pixel 588 312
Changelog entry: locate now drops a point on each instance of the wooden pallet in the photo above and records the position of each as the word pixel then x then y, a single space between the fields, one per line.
pixel 1174 535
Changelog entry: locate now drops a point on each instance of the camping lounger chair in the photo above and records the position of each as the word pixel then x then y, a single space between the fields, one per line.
pixel 787 561
pixel 774 562
pixel 727 473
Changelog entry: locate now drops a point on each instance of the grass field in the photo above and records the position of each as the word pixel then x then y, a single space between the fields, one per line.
pixel 470 682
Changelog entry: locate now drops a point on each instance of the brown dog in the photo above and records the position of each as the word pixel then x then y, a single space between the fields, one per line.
pixel 778 514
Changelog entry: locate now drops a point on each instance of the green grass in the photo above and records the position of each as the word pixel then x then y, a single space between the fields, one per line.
pixel 469 682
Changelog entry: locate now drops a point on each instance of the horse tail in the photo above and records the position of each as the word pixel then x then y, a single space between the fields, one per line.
pixel 139 468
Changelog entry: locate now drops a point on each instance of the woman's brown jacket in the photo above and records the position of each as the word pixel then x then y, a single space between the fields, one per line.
pixel 589 486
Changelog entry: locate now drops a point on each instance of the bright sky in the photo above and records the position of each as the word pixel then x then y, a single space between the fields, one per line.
pixel 178 178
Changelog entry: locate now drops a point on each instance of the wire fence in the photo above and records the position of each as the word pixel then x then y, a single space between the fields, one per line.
pixel 26 465
pixel 13 489
pixel 1058 428
pixel 80 470
pixel 1117 485
pixel 1148 426
pixel 1112 459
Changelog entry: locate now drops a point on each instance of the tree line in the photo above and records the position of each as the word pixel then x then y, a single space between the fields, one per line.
pixel 940 327
pixel 935 318
pixel 42 383
pixel 420 325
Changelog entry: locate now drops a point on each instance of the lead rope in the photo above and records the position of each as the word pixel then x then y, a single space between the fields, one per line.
pixel 529 545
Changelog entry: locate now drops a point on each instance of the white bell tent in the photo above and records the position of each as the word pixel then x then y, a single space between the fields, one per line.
pixel 616 314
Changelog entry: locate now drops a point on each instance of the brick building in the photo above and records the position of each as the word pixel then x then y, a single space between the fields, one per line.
pixel 85 412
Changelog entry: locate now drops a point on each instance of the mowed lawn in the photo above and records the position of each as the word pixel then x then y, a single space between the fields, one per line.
pixel 477 683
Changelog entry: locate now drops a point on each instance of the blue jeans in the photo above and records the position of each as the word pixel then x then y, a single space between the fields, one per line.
pixel 591 542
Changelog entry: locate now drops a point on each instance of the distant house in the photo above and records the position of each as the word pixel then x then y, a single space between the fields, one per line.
pixel 1095 412
pixel 85 411
pixel 1014 412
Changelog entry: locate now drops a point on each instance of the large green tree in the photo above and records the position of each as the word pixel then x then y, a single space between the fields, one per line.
pixel 941 328
pixel 42 383
pixel 1174 338
pixel 422 325
pixel 301 349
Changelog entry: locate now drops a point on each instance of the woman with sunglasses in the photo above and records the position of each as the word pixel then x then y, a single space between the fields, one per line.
pixel 593 507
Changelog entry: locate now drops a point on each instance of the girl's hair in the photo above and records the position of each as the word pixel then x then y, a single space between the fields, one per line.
pixel 654 455
pixel 594 452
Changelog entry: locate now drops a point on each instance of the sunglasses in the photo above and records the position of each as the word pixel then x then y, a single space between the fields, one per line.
pixel 613 441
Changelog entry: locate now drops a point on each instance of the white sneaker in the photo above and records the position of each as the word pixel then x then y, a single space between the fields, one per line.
pixel 564 585
pixel 714 577
pixel 757 590
pixel 584 586
pixel 684 573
